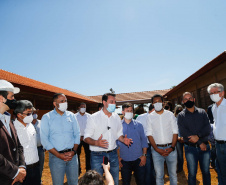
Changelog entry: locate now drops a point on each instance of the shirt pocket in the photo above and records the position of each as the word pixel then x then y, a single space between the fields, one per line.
pixel 68 127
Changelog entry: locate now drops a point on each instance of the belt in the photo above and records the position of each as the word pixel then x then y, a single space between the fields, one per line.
pixel 104 151
pixel 32 165
pixel 67 150
pixel 195 145
pixel 220 141
pixel 168 144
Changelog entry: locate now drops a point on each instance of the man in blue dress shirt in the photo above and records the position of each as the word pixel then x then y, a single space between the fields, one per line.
pixel 60 135
pixel 132 158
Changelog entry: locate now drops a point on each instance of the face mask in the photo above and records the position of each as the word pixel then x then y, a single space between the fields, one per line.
pixel 128 115
pixel 111 108
pixel 28 119
pixel 215 97
pixel 11 103
pixel 35 116
pixel 166 107
pixel 158 106
pixel 189 104
pixel 82 110
pixel 178 111
pixel 63 106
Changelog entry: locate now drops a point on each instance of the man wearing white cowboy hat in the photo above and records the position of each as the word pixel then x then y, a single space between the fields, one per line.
pixel 12 164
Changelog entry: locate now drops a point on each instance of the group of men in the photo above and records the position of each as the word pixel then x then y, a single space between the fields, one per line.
pixel 142 145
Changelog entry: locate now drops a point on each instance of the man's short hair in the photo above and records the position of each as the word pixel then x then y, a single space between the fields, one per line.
pixel 151 106
pixel 82 104
pixel 185 93
pixel 126 105
pixel 91 178
pixel 4 94
pixel 155 96
pixel 215 85
pixel 105 96
pixel 55 96
pixel 22 105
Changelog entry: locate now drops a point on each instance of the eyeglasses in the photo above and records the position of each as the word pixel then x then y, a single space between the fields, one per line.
pixel 28 114
pixel 215 92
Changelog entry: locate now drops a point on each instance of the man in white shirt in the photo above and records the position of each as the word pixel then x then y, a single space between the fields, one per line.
pixel 41 152
pixel 27 136
pixel 162 131
pixel 216 92
pixel 102 130
pixel 82 117
pixel 149 166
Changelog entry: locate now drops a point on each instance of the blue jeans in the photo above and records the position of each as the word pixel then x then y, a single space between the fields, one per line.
pixel 58 168
pixel 149 169
pixel 221 163
pixel 128 168
pixel 171 161
pixel 97 160
pixel 180 156
pixel 41 155
pixel 193 156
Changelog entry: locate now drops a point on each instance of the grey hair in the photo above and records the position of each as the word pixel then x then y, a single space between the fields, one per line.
pixel 188 93
pixel 22 105
pixel 215 85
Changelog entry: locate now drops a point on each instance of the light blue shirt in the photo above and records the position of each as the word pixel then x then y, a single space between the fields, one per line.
pixel 59 132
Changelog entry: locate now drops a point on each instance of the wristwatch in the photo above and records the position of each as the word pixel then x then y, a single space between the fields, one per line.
pixel 172 148
pixel 144 155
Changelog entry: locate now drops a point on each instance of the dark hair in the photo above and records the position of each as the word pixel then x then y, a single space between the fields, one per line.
pixel 22 105
pixel 4 94
pixel 55 96
pixel 105 96
pixel 91 178
pixel 169 104
pixel 127 105
pixel 151 106
pixel 155 96
pixel 82 104
pixel 100 105
pixel 139 109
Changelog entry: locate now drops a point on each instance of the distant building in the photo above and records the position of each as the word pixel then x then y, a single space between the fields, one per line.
pixel 197 83
pixel 40 94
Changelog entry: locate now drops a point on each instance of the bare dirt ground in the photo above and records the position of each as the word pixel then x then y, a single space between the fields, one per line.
pixel 182 177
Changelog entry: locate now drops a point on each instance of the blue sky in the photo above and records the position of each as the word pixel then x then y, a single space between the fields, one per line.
pixel 90 46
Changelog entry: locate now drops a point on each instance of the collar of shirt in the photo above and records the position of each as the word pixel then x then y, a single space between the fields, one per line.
pixel 187 111
pixel 223 103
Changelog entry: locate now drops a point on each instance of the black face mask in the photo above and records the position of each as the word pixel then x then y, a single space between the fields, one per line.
pixel 11 103
pixel 166 107
pixel 189 104
pixel 178 111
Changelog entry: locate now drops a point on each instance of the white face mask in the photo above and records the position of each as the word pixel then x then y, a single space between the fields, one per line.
pixel 82 110
pixel 128 115
pixel 158 106
pixel 28 119
pixel 63 106
pixel 215 97
pixel 35 116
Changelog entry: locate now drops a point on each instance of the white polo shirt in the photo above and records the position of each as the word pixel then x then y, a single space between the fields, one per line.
pixel 219 115
pixel 162 127
pixel 82 121
pixel 110 127
pixel 27 137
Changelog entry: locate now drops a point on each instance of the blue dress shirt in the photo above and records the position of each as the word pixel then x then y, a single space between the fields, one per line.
pixel 135 131
pixel 59 132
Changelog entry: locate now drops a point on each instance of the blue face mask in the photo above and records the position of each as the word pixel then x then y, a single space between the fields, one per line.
pixel 111 108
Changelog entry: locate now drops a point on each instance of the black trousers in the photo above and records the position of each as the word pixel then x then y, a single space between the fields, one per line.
pixel 87 154
pixel 33 176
